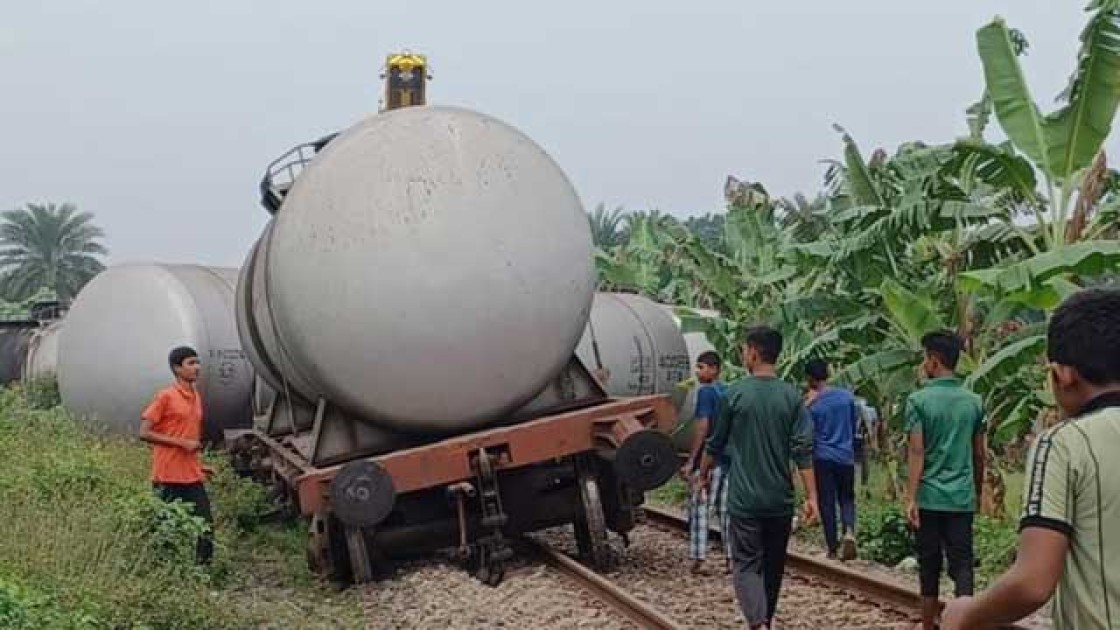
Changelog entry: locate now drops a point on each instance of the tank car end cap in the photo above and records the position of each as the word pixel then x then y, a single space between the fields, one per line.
pixel 362 494
pixel 646 460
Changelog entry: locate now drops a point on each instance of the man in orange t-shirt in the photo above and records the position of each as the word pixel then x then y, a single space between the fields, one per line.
pixel 172 424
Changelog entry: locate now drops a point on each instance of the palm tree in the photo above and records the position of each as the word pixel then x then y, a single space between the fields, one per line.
pixel 606 227
pixel 48 246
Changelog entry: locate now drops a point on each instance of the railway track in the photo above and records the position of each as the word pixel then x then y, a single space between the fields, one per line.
pixel 624 603
pixel 649 588
pixel 438 593
pixel 876 590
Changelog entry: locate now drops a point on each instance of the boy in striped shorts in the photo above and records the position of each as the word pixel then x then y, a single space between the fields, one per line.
pixel 701 502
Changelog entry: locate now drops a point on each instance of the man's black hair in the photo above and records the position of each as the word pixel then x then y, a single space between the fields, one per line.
pixel 944 345
pixel 1084 333
pixel 710 358
pixel 766 340
pixel 817 369
pixel 180 354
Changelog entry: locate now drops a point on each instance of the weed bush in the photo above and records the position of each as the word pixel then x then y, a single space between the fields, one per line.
pixel 994 542
pixel 675 492
pixel 885 536
pixel 22 609
pixel 244 502
pixel 14 607
pixel 42 393
pixel 86 540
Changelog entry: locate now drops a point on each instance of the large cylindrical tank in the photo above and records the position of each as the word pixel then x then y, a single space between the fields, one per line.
pixel 42 352
pixel 429 271
pixel 112 354
pixel 638 345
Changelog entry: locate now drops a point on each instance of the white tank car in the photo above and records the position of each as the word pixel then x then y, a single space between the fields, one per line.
pixel 113 347
pixel 429 271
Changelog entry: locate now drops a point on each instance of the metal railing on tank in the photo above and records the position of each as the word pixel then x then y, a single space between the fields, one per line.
pixel 281 174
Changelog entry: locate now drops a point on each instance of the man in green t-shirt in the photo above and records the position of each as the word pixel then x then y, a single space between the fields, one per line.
pixel 946 463
pixel 1069 535
pixel 763 421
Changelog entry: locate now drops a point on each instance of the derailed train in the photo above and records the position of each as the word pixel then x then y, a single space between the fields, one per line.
pixel 416 303
pixel 432 369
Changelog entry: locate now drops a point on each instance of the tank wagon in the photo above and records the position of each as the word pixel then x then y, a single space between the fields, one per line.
pixel 635 347
pixel 110 351
pixel 27 344
pixel 41 359
pixel 415 303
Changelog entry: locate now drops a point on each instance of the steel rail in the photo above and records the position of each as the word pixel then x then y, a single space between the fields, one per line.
pixel 874 588
pixel 618 599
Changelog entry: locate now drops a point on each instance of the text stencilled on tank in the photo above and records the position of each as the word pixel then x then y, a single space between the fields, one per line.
pixel 677 367
pixel 640 364
pixel 673 362
pixel 229 362
pixel 673 368
pixel 641 374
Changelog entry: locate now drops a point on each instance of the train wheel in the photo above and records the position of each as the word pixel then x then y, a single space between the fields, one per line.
pixel 591 524
pixel 361 564
pixel 327 551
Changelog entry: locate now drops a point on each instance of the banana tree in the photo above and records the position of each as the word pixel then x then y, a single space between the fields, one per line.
pixel 978 236
pixel 1063 144
pixel 1040 261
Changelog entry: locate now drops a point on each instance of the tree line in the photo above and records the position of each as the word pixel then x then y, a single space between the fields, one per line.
pixel 974 235
pixel 48 252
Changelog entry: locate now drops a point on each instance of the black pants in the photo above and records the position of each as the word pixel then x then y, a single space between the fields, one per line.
pixel 194 495
pixel 758 556
pixel 836 484
pixel 946 534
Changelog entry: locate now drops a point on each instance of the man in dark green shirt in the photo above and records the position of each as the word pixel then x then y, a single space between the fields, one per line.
pixel 947 445
pixel 767 426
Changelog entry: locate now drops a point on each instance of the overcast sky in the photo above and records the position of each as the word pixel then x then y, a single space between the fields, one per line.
pixel 160 117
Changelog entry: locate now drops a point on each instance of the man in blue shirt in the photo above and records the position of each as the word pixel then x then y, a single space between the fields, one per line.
pixel 708 399
pixel 835 424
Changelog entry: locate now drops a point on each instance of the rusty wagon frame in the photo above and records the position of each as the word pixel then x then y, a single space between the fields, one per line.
pixel 587 466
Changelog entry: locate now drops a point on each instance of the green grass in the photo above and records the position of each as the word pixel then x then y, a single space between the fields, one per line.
pixel 673 493
pixel 87 545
